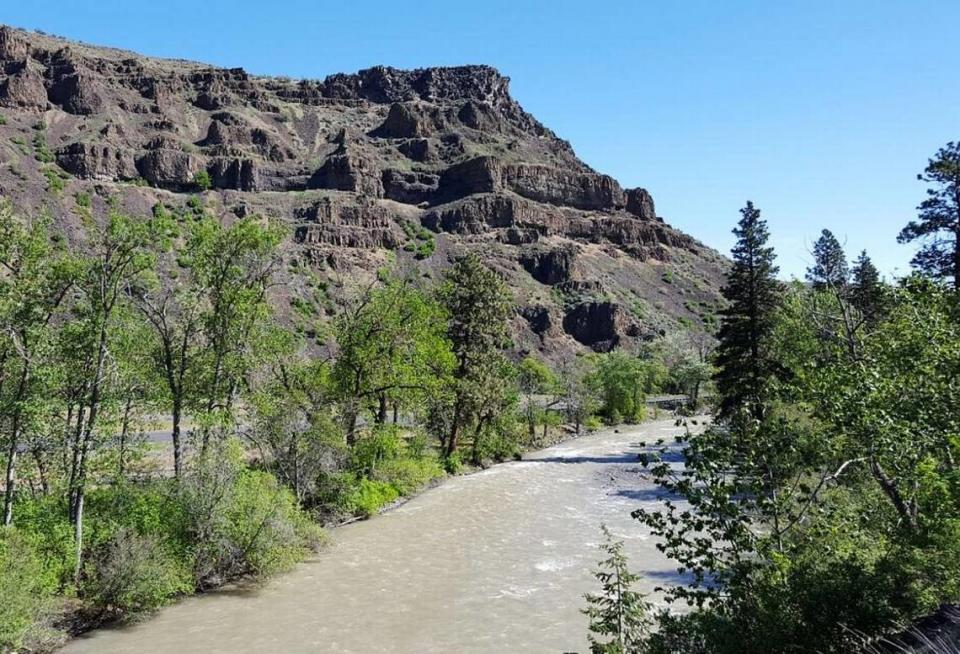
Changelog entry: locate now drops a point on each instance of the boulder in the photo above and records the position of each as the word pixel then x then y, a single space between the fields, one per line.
pixel 95 161
pixel 477 175
pixel 404 120
pixel 24 89
pixel 640 204
pixel 539 318
pixel 416 149
pixel 600 325
pixel 171 169
pixel 519 236
pixel 345 171
pixel 78 93
pixel 409 187
pixel 12 46
pixel 238 174
pixel 550 185
pixel 549 267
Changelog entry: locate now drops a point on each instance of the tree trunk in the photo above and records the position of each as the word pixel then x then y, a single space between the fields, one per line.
pixel 352 427
pixel 10 480
pixel 175 431
pixel 382 409
pixel 454 431
pixel 124 429
pixel 41 470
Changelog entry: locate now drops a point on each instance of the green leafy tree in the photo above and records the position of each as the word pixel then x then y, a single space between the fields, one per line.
pixel 577 395
pixel 535 378
pixel 232 268
pixel 478 305
pixel 619 615
pixel 938 223
pixel 35 282
pixel 621 381
pixel 294 427
pixel 119 255
pixel 744 360
pixel 392 349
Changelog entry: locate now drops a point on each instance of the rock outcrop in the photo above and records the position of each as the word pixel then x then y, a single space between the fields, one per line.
pixel 366 168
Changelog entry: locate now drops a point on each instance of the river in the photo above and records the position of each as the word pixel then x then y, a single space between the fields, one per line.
pixel 496 561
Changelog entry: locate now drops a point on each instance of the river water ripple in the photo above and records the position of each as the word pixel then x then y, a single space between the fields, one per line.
pixel 496 561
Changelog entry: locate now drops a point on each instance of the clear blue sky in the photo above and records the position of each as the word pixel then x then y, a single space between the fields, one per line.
pixel 821 112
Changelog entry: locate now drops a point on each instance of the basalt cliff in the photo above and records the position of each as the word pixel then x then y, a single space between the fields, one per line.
pixel 406 168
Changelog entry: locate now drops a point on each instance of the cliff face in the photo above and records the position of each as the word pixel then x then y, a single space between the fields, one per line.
pixel 367 168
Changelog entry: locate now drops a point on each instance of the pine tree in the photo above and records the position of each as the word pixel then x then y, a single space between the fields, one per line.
pixel 479 305
pixel 745 366
pixel 829 269
pixel 938 225
pixel 619 616
pixel 867 293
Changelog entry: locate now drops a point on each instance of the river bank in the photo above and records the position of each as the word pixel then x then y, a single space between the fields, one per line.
pixel 488 562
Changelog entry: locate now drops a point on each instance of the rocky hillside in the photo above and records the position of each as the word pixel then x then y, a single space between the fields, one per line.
pixel 409 167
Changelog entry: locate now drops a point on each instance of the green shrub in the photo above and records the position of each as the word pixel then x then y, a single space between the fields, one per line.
pixel 55 183
pixel 453 464
pixel 426 249
pixel 380 445
pixel 202 181
pixel 593 423
pixel 241 521
pixel 3 120
pixel 370 496
pixel 132 573
pixel 409 246
pixel 83 200
pixel 44 521
pixel 40 150
pixel 417 446
pixel 408 475
pixel 26 590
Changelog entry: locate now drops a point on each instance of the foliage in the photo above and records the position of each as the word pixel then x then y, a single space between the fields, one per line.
pixel 132 573
pixel 27 589
pixel 478 305
pixel 241 521
pixel 622 382
pixel 202 180
pixel 938 225
pixel 829 267
pixel 834 510
pixel 393 351
pixel 619 615
pixel 745 362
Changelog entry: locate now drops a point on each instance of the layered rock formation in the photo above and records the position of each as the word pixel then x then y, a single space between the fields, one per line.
pixel 365 168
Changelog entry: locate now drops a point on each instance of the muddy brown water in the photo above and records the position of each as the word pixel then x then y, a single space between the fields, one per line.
pixel 496 561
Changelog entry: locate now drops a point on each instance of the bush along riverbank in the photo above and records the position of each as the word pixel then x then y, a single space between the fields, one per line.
pixel 297 419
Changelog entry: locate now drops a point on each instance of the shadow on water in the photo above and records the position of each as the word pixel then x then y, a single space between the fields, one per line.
pixel 670 577
pixel 627 457
pixel 645 494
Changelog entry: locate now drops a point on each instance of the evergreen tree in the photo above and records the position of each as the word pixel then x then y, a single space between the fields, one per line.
pixel 479 305
pixel 867 293
pixel 619 615
pixel 745 364
pixel 938 224
pixel 829 269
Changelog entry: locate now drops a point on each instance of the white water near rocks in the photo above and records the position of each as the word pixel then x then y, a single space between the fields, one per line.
pixel 496 561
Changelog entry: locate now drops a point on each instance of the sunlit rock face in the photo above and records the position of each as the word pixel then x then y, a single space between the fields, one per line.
pixel 365 168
